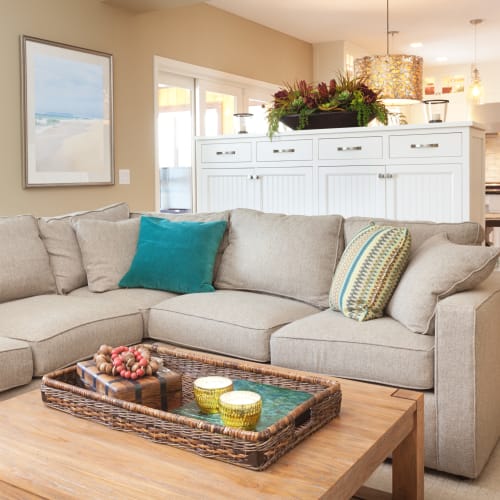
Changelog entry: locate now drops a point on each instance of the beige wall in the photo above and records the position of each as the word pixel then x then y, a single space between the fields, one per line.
pixel 200 35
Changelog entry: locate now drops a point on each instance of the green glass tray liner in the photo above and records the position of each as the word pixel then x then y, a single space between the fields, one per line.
pixel 277 403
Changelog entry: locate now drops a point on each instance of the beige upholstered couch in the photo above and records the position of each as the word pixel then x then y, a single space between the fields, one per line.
pixel 272 276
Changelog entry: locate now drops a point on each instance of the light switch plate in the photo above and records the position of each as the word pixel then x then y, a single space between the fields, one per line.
pixel 123 176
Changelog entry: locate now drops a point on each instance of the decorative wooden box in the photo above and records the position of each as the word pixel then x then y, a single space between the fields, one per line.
pixel 162 391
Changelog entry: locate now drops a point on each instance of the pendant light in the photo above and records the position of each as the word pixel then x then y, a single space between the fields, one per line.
pixel 475 91
pixel 397 76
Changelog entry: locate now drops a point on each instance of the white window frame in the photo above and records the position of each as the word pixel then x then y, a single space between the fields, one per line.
pixel 209 79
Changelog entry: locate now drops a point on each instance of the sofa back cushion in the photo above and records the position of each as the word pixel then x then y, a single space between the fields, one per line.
pixel 61 243
pixel 24 263
pixel 439 268
pixel 289 255
pixel 107 250
pixel 463 233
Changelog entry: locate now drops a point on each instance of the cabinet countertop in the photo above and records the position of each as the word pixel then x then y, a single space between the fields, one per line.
pixel 350 130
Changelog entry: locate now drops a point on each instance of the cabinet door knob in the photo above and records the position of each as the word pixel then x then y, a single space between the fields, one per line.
pixel 423 146
pixel 349 148
pixel 289 150
pixel 388 176
pixel 250 177
pixel 381 176
pixel 225 152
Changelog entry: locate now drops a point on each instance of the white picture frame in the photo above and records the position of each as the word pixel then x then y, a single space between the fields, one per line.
pixel 67 102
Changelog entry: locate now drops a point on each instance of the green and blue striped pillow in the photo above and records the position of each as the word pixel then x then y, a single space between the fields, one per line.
pixel 369 271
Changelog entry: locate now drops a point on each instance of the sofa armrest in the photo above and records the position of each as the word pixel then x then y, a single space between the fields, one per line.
pixel 467 371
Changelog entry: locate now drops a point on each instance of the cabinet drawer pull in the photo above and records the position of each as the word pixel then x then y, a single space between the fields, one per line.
pixel 422 146
pixel 349 148
pixel 388 176
pixel 225 152
pixel 290 150
pixel 381 176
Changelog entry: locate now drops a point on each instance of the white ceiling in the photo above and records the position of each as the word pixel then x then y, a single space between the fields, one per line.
pixel 441 25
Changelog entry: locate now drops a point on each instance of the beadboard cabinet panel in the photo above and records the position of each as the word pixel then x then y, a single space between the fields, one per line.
pixel 224 189
pixel 428 172
pixel 287 191
pixel 424 192
pixel 353 190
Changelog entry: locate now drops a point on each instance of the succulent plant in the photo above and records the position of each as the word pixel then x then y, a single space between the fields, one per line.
pixel 345 93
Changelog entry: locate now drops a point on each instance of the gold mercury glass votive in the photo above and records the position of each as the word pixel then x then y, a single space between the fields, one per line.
pixel 240 409
pixel 207 391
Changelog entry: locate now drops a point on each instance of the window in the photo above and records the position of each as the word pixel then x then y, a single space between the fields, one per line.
pixel 195 100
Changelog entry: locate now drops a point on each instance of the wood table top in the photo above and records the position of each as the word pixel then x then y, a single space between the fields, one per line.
pixel 47 453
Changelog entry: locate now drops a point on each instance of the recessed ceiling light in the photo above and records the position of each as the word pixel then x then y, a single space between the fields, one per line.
pixel 415 45
pixel 441 59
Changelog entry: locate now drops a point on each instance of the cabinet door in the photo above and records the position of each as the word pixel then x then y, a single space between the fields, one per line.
pixel 424 192
pixel 352 191
pixel 225 188
pixel 285 190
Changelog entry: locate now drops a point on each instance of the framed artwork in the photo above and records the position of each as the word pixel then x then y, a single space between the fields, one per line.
pixel 67 115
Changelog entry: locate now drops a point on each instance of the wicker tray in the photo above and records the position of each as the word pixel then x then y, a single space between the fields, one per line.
pixel 254 450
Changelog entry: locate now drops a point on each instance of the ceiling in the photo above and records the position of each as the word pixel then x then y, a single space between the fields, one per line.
pixel 442 26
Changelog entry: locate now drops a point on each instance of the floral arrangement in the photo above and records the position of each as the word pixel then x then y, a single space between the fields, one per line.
pixel 343 94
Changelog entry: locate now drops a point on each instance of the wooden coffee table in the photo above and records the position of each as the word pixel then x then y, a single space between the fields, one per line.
pixel 50 454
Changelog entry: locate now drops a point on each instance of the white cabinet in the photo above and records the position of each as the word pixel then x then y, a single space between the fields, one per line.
pixel 424 192
pixel 279 190
pixel 352 190
pixel 427 172
pixel 225 188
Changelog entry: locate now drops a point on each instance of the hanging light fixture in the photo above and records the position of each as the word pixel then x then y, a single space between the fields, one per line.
pixel 398 77
pixel 475 91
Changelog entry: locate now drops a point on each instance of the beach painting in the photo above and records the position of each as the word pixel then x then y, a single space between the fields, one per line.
pixel 68 115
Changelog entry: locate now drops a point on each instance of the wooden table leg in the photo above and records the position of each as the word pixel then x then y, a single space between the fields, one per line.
pixel 408 457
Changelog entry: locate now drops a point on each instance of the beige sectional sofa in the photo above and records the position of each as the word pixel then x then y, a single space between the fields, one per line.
pixel 272 277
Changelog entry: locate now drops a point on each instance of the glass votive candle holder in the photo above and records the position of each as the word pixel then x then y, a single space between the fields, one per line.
pixel 242 121
pixel 435 110
pixel 207 391
pixel 240 409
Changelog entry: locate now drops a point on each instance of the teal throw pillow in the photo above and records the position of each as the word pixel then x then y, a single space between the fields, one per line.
pixel 175 256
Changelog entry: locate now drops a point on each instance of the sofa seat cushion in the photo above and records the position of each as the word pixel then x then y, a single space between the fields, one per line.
pixel 16 363
pixel 381 351
pixel 138 299
pixel 62 330
pixel 234 323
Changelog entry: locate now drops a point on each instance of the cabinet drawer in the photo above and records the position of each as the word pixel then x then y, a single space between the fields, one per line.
pixel 425 145
pixel 300 150
pixel 226 152
pixel 350 148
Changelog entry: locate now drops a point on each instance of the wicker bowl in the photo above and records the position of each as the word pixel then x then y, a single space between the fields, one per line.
pixel 207 391
pixel 240 409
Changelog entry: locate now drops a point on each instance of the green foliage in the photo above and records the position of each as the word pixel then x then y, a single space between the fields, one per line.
pixel 343 94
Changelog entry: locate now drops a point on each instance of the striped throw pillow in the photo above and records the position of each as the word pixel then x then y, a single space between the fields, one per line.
pixel 369 271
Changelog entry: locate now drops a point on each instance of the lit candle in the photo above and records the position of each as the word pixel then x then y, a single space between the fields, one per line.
pixel 207 391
